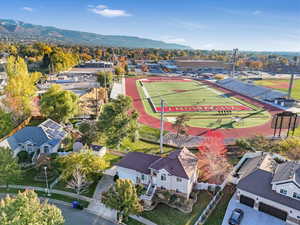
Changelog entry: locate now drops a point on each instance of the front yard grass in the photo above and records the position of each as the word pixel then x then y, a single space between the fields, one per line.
pixel 216 217
pixel 44 195
pixel 28 178
pixel 62 185
pixel 165 215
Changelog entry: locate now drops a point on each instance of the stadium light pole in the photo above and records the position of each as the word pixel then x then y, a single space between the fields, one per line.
pixel 234 57
pixel 162 105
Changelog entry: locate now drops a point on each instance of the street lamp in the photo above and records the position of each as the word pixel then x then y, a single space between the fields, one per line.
pixel 47 186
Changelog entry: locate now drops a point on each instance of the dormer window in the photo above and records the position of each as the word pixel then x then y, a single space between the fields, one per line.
pixel 283 191
pixel 178 179
pixel 296 195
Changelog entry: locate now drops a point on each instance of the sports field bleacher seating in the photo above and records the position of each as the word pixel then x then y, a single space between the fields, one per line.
pixel 251 90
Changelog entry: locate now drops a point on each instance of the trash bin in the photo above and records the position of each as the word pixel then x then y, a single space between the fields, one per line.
pixel 75 204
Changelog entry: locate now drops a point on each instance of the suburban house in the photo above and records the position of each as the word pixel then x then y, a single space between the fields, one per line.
pixel 271 188
pixel 45 138
pixel 178 172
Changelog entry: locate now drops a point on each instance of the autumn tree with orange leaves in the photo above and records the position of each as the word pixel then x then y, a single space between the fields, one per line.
pixel 213 164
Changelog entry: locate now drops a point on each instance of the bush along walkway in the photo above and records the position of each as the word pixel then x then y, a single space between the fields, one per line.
pixel 40 189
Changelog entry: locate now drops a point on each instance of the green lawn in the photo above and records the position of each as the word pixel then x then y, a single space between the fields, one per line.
pixel 216 217
pixel 111 159
pixel 164 215
pixel 199 94
pixel 28 178
pixel 142 146
pixel 131 221
pixel 281 85
pixel 186 94
pixel 62 185
pixel 43 194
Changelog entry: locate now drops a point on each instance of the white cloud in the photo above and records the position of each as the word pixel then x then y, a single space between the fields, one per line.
pixel 171 39
pixel 257 12
pixel 103 10
pixel 28 9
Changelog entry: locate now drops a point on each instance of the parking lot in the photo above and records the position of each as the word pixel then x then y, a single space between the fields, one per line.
pixel 251 216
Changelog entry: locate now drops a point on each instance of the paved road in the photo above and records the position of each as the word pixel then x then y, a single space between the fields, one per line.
pixel 81 217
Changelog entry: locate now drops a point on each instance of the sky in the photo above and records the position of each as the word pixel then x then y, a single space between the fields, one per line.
pixel 257 25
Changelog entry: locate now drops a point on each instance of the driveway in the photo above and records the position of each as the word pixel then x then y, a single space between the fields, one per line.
pixel 81 217
pixel 251 216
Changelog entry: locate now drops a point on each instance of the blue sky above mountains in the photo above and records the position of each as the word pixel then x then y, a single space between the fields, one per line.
pixel 205 24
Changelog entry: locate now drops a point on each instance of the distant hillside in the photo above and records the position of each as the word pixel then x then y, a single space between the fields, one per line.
pixel 25 32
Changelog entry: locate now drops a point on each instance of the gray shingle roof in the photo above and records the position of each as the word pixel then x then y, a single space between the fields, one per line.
pixel 180 163
pixel 286 171
pixel 259 183
pixel 138 161
pixel 264 162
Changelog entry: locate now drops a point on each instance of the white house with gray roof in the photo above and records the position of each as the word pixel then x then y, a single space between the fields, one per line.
pixel 271 188
pixel 177 172
pixel 45 138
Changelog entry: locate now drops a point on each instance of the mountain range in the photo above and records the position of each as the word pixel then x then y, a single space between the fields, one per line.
pixel 19 31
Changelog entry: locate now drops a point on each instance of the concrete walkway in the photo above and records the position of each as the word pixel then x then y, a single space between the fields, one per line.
pixel 96 206
pixel 65 193
pixel 143 220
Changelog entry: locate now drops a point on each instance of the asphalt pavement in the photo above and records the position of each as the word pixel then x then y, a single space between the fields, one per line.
pixel 81 217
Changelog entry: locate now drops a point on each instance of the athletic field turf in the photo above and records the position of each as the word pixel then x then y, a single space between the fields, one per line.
pixel 206 106
pixel 187 93
pixel 281 85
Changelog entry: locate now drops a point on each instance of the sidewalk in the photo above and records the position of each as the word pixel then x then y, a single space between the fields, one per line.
pixel 98 208
pixel 65 193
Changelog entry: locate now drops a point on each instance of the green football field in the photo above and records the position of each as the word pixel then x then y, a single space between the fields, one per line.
pixel 186 94
pixel 195 93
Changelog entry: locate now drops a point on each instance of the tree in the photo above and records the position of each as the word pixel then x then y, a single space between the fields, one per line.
pixel 118 121
pixel 257 143
pixel 105 78
pixel 20 88
pixel 59 104
pixel 290 147
pixel 88 162
pixel 6 123
pixel 26 208
pixel 79 182
pixel 119 71
pixel 123 198
pixel 10 170
pixel 180 124
pixel 89 133
pixel 213 164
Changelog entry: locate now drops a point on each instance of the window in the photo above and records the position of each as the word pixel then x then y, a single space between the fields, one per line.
pixel 296 195
pixel 283 191
pixel 177 191
pixel 178 179
pixel 46 149
pixel 143 177
pixel 163 177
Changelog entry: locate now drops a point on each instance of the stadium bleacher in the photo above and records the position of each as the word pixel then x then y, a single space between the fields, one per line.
pixel 251 90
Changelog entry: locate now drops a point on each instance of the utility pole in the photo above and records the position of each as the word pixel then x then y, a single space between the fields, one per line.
pixel 162 105
pixel 234 58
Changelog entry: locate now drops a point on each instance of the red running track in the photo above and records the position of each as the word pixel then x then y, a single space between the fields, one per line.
pixel 265 129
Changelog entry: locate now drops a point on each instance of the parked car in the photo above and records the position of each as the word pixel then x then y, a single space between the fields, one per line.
pixel 236 217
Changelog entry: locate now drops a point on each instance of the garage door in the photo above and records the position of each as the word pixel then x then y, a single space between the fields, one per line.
pixel 272 211
pixel 247 201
